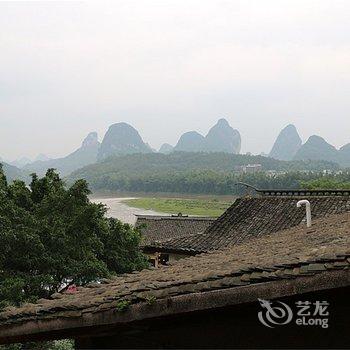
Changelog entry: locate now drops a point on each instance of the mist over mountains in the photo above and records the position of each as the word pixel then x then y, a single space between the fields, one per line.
pixel 288 146
pixel 166 148
pixel 84 155
pixel 12 172
pixel 220 138
pixel 316 147
pixel 123 139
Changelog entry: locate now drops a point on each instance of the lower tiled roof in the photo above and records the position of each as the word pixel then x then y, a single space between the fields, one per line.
pixel 286 255
pixel 160 228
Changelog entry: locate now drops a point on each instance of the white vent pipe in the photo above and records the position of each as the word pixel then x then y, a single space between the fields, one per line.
pixel 308 211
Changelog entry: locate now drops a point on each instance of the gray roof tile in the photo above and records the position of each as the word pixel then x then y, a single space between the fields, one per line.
pixel 160 228
pixel 252 217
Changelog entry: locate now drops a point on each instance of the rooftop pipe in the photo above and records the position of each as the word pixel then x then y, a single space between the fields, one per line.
pixel 308 211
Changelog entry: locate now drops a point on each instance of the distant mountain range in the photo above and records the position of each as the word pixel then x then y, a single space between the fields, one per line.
pixel 13 173
pixel 86 154
pixel 288 146
pixel 23 161
pixel 220 138
pixel 123 139
pixel 316 148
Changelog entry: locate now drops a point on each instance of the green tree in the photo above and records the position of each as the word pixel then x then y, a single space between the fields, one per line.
pixel 326 183
pixel 51 236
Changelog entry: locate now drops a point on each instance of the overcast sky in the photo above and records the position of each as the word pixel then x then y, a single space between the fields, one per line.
pixel 167 67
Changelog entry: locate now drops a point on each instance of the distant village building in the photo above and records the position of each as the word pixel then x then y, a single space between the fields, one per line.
pixel 249 168
pixel 273 173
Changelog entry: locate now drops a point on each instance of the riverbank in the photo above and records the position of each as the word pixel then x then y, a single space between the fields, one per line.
pixel 125 206
pixel 188 206
pixel 121 194
pixel 121 211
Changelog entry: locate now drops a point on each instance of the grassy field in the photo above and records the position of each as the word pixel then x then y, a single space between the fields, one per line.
pixel 197 206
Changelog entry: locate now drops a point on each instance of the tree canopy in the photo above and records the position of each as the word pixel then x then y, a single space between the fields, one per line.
pixel 184 172
pixel 51 236
pixel 218 182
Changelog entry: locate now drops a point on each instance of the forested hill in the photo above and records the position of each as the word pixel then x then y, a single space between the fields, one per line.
pixel 180 171
pixel 12 172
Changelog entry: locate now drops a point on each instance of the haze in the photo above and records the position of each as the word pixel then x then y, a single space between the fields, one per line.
pixel 167 67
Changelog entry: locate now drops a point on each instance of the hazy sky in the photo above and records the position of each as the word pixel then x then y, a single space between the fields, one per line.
pixel 166 67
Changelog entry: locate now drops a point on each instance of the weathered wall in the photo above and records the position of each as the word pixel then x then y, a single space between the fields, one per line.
pixel 172 257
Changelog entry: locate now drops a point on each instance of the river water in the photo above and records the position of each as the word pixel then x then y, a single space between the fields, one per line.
pixel 121 211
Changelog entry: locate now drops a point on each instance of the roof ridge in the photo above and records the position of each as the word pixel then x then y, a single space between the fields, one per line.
pixel 175 217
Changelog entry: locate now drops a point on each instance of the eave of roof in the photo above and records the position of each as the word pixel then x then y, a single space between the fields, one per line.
pixel 175 245
pixel 86 324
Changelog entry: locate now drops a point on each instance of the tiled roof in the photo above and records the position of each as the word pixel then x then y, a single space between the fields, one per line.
pixel 160 228
pixel 251 217
pixel 288 255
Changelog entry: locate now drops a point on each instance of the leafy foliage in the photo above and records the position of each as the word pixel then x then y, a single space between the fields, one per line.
pixel 326 183
pixel 206 182
pixel 122 305
pixel 51 236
